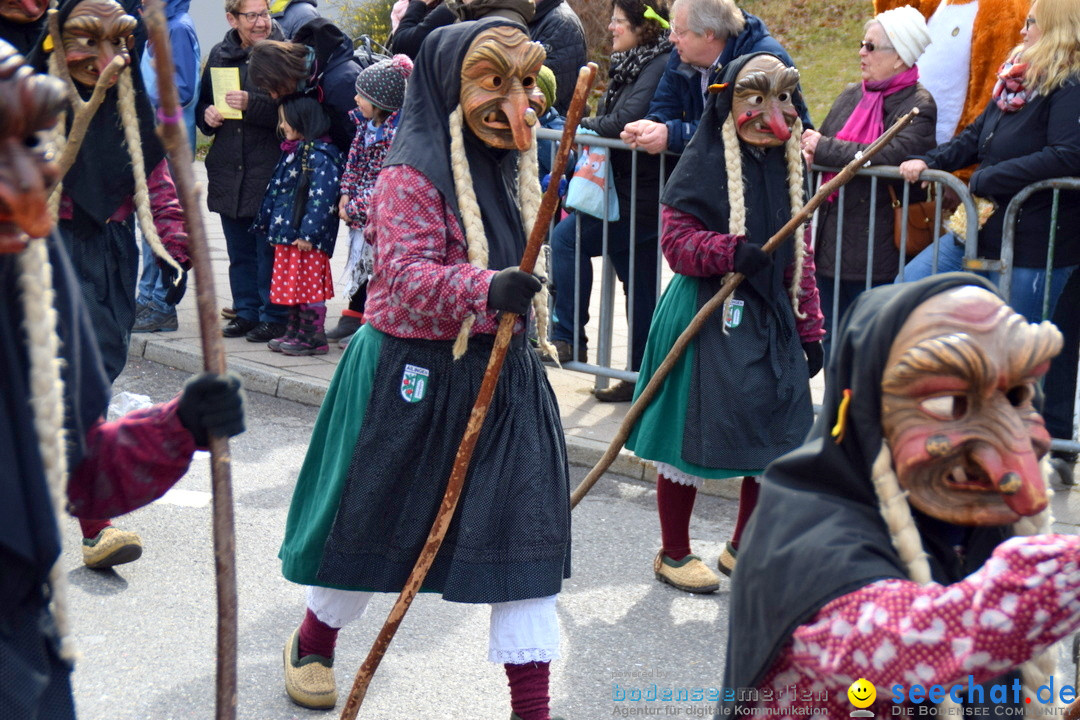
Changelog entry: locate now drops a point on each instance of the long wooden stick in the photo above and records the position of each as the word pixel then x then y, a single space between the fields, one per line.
pixel 586 78
pixel 638 408
pixel 174 137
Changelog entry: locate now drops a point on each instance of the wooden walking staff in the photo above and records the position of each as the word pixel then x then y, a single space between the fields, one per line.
pixel 717 300
pixel 174 137
pixel 586 78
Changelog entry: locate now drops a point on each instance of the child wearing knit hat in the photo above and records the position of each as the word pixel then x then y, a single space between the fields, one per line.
pixel 380 93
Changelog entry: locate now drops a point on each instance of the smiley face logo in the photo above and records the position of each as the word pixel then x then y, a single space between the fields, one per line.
pixel 862 693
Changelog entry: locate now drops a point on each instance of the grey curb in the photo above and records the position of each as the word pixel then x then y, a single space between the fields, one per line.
pixel 584 452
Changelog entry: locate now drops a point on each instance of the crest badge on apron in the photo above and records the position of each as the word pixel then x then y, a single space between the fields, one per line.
pixel 414 382
pixel 734 314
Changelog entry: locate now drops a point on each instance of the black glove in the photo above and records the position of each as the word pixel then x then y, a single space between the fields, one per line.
pixel 512 290
pixel 212 405
pixel 815 356
pixel 750 259
pixel 175 285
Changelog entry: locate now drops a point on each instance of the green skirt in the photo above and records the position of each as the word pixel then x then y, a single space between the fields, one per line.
pixel 658 434
pixel 323 474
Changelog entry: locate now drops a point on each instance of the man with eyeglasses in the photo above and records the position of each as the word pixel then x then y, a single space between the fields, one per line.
pixel 707 34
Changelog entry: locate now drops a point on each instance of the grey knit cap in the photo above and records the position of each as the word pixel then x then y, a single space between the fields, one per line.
pixel 383 83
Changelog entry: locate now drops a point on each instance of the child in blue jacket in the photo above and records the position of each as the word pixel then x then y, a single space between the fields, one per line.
pixel 299 218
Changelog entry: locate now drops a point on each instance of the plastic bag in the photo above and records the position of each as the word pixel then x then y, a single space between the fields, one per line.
pixel 592 189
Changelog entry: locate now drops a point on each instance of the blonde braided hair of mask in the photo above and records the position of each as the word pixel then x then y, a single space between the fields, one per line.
pixel 529 198
pixel 896 511
pixel 469 208
pixel 61 140
pixel 796 168
pixel 471 219
pixel 737 202
pixel 47 404
pixel 133 139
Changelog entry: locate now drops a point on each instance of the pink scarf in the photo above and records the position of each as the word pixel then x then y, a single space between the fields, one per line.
pixel 867 120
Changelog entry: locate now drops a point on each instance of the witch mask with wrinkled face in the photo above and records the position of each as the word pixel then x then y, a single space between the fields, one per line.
pixel 95 32
pixel 499 95
pixel 762 102
pixel 958 412
pixel 29 105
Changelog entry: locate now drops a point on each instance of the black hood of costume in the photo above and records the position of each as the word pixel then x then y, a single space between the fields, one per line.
pixel 30 542
pixel 817 533
pixel 23 36
pixel 423 140
pixel 101 178
pixel 698 185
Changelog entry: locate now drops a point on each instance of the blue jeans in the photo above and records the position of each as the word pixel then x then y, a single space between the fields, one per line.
pixel 1027 283
pixel 643 303
pixel 251 265
pixel 151 287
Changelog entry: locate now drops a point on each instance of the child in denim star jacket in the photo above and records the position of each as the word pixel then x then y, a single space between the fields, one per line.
pixel 298 217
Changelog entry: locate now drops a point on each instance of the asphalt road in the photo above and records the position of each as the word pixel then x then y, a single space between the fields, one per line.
pixel 146 631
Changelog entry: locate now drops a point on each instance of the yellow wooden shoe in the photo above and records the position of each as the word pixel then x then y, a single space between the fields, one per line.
pixel 112 546
pixel 309 680
pixel 689 574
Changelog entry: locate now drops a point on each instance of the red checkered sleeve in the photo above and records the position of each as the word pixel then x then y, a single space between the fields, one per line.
pixel 130 462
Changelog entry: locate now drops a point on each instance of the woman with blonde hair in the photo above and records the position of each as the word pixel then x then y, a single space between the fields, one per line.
pixel 1028 132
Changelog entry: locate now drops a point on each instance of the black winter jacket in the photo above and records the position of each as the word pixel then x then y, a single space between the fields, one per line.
pixel 557 27
pixel 917 137
pixel 243 153
pixel 1038 142
pixel 416 24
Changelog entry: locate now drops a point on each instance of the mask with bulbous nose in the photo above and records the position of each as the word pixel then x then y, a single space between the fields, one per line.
pixel 958 408
pixel 499 96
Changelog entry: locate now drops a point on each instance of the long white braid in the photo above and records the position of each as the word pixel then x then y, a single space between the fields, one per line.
pixel 905 537
pixel 795 170
pixel 60 139
pixel 529 197
pixel 133 138
pixel 475 239
pixel 736 198
pixel 47 403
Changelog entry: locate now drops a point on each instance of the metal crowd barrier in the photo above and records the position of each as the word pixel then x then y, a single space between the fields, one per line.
pixel 604 369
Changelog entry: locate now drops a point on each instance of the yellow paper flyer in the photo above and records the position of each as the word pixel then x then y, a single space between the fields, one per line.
pixel 224 79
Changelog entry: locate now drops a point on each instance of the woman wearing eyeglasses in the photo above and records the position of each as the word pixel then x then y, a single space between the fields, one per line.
pixel 640 51
pixel 1028 132
pixel 242 157
pixel 892 42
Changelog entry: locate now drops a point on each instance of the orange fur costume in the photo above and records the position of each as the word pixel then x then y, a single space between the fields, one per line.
pixel 996 31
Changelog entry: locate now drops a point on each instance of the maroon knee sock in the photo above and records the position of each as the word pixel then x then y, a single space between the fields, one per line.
pixel 316 637
pixel 675 503
pixel 748 495
pixel 90 528
pixel 529 690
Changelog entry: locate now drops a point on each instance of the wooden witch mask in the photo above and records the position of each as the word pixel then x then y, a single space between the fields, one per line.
pixel 958 408
pixel 499 95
